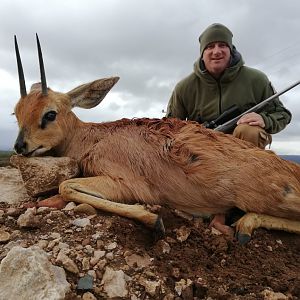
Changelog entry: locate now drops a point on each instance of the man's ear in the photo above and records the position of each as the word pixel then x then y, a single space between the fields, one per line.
pixel 91 94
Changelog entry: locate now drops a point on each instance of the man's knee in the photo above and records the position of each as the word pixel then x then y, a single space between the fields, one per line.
pixel 253 134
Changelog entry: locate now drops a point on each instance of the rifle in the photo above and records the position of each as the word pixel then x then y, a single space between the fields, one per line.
pixel 227 115
pixel 229 125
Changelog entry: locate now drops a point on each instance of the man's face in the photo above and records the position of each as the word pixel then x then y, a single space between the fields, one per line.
pixel 216 57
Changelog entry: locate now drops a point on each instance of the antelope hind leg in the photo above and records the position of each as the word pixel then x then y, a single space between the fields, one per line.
pixel 250 221
pixel 91 190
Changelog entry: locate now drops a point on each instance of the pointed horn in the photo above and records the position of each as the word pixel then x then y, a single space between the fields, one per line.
pixel 20 71
pixel 42 69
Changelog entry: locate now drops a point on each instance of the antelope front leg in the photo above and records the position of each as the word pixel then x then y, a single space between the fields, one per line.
pixel 251 221
pixel 96 190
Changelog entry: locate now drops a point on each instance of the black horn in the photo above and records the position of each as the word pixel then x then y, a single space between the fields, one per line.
pixel 42 69
pixel 20 71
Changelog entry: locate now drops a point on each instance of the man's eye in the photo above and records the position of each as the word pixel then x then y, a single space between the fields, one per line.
pixel 50 116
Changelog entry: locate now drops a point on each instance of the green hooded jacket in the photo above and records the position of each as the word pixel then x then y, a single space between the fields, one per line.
pixel 200 97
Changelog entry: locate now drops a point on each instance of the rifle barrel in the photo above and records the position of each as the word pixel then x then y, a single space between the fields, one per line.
pixel 229 124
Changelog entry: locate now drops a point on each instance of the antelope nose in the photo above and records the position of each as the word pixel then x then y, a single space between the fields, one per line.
pixel 20 147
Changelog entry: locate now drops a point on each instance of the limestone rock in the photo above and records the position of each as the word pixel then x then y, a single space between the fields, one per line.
pixel 183 233
pixel 29 219
pixel 114 283
pixel 67 262
pixel 85 208
pixel 42 175
pixel 4 236
pixel 138 261
pixel 11 186
pixel 26 273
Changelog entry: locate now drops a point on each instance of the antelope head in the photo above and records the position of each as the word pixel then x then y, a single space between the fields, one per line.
pixel 42 114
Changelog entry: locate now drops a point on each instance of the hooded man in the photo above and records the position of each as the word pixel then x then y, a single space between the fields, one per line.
pixel 221 80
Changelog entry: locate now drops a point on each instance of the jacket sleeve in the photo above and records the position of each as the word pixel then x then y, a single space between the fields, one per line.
pixel 275 115
pixel 176 108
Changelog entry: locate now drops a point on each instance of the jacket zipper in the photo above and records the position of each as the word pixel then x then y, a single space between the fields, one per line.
pixel 220 97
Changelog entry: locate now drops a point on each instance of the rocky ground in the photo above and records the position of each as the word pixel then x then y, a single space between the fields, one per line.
pixel 105 256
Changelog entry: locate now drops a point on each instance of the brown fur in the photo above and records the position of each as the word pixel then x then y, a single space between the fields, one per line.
pixel 169 162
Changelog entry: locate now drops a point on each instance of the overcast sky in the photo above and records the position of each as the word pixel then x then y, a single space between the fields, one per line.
pixel 150 44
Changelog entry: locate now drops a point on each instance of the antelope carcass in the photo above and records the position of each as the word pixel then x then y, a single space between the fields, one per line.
pixel 168 162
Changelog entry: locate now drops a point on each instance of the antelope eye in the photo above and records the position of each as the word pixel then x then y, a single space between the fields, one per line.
pixel 49 116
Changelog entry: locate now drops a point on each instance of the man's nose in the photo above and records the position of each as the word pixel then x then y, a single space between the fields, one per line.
pixel 216 49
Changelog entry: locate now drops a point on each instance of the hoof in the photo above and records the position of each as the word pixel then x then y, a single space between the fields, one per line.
pixel 243 238
pixel 159 229
pixel 53 202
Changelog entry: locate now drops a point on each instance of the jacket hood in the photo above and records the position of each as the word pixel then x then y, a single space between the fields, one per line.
pixel 236 62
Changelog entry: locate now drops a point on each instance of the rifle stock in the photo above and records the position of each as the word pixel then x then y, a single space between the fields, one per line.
pixel 229 125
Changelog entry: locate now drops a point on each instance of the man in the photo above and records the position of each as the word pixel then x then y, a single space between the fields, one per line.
pixel 219 81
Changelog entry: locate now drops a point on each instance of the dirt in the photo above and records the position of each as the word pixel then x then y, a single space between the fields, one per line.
pixel 215 267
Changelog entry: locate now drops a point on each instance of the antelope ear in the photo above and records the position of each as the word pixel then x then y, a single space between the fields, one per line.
pixel 91 94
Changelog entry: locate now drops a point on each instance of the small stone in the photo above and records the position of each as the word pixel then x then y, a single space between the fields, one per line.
pixel 163 246
pixel 85 283
pixel 88 249
pixel 97 255
pixel 92 273
pixel 270 295
pixel 96 236
pixel 183 233
pixel 215 231
pixel 111 246
pixel 42 244
pixel 67 262
pixel 114 283
pixel 43 210
pixel 69 206
pixel 88 296
pixel 151 287
pixel 54 235
pixel 29 219
pixel 13 212
pixel 85 263
pixel 101 264
pixel 138 261
pixel 4 236
pixel 81 222
pixel 110 256
pixel 85 208
pixel 269 248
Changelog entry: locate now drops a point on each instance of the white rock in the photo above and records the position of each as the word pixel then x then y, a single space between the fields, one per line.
pixel 67 262
pixel 151 287
pixel 139 261
pixel 4 236
pixel 183 233
pixel 97 255
pixel 270 295
pixel 88 296
pixel 27 274
pixel 28 219
pixel 114 283
pixel 69 206
pixel 111 246
pixel 12 186
pixel 81 222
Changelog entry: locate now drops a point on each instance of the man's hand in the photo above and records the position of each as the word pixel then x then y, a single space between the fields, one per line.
pixel 253 119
